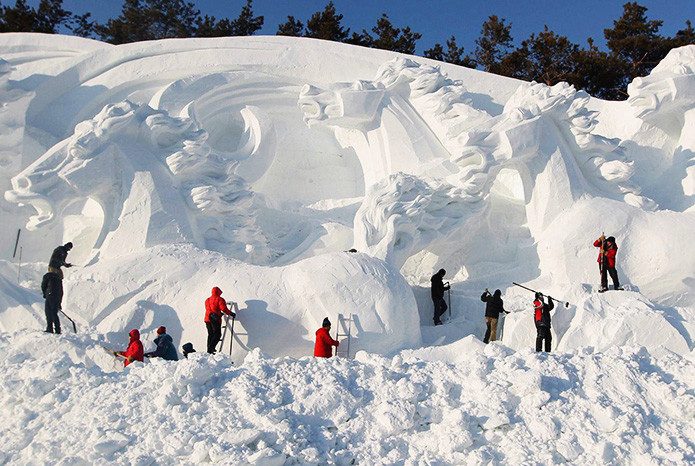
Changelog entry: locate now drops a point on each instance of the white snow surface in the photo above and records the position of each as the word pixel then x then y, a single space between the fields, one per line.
pixel 464 403
pixel 253 164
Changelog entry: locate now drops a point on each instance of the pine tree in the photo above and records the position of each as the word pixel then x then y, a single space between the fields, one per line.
pixel 635 40
pixel 292 27
pixel 149 20
pixel 246 24
pixel 454 54
pixel 599 73
pixel 547 57
pixel 327 25
pixel 47 18
pixel 388 37
pixel 685 36
pixel 494 43
pixel 82 25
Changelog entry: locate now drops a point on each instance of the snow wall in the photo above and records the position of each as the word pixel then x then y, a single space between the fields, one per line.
pixel 252 163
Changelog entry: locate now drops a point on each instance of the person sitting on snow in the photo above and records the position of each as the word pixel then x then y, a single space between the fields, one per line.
pixel 214 307
pixel 541 317
pixel 165 346
pixel 324 342
pixel 438 289
pixel 58 258
pixel 135 351
pixel 493 306
pixel 188 349
pixel 606 262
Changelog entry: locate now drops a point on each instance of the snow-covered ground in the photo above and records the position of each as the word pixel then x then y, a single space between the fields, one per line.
pixel 254 164
pixel 464 403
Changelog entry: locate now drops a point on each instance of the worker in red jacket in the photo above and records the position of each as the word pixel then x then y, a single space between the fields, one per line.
pixel 214 307
pixel 135 351
pixel 606 262
pixel 541 317
pixel 322 347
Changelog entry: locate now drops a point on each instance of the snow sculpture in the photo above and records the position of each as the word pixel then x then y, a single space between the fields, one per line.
pixel 131 155
pixel 666 99
pixel 403 214
pixel 415 120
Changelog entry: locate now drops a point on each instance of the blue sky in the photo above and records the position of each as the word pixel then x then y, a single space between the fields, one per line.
pixel 438 19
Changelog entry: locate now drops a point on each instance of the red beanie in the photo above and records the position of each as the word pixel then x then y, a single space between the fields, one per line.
pixel 161 330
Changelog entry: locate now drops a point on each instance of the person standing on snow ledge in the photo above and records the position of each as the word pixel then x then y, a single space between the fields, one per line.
pixel 541 317
pixel 58 258
pixel 52 290
pixel 493 306
pixel 165 346
pixel 606 261
pixel 214 307
pixel 324 342
pixel 135 351
pixel 438 289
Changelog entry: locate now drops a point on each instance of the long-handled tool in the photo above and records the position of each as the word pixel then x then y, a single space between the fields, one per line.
pixel 448 292
pixel 74 327
pixel 542 294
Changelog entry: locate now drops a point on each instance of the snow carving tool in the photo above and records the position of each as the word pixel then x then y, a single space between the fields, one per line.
pixel 526 288
pixel 448 292
pixel 74 327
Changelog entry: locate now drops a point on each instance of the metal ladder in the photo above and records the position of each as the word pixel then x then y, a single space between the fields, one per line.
pixel 347 332
pixel 234 307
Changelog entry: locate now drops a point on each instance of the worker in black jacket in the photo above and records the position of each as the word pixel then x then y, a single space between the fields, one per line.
pixel 52 289
pixel 542 319
pixel 493 306
pixel 438 289
pixel 59 258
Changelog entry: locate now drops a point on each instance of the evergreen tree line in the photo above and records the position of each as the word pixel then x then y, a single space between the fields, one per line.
pixel 634 43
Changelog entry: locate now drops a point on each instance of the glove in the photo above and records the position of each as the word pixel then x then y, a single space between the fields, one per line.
pixel 67 266
pixel 550 299
pixel 233 314
pixel 337 344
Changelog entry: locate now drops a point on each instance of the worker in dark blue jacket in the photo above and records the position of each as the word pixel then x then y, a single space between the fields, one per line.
pixel 165 346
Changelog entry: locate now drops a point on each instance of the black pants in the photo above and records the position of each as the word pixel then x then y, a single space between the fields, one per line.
pixel 605 271
pixel 52 320
pixel 440 308
pixel 214 335
pixel 543 334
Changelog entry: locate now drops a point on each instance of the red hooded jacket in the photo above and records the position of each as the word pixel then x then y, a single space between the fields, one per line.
pixel 610 254
pixel 135 351
pixel 322 347
pixel 215 305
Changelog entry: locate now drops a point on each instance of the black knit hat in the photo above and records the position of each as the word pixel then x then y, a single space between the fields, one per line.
pixel 539 295
pixel 326 322
pixel 68 245
pixel 611 239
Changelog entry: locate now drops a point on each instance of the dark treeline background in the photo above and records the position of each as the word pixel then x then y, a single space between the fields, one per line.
pixel 634 43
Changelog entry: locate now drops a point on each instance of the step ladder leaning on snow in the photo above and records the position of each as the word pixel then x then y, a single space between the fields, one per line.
pixel 235 309
pixel 346 326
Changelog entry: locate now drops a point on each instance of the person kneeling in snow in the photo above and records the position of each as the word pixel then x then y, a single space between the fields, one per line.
pixel 542 319
pixel 134 352
pixel 214 307
pixel 322 347
pixel 493 307
pixel 165 346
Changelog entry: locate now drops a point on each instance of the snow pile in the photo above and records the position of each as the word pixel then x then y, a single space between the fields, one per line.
pixel 484 404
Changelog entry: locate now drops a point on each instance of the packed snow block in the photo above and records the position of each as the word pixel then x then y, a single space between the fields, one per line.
pixel 618 318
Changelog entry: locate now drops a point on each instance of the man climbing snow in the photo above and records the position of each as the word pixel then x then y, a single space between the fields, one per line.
pixel 493 306
pixel 165 346
pixel 438 289
pixel 214 307
pixel 324 342
pixel 58 258
pixel 52 289
pixel 134 352
pixel 606 261
pixel 541 317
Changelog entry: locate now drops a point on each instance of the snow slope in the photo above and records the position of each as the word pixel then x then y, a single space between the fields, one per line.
pixel 459 404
